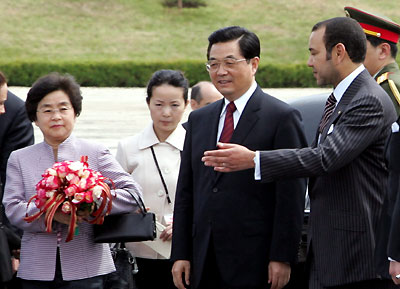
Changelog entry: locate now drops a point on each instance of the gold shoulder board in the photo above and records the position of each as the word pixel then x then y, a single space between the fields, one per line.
pixel 382 78
pixel 395 91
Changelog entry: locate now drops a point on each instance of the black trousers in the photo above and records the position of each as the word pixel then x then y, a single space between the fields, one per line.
pixel 154 274
pixel 211 277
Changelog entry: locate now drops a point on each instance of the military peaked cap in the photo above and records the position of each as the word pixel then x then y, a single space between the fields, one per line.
pixel 374 24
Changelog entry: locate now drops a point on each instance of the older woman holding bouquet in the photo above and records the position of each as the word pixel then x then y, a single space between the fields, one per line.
pixel 153 158
pixel 48 260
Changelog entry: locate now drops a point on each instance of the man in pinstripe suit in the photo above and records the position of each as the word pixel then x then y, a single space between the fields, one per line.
pixel 345 165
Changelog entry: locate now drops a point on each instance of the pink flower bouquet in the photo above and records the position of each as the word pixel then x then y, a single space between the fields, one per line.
pixel 73 186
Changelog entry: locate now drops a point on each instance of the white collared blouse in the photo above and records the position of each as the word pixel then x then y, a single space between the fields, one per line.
pixel 135 156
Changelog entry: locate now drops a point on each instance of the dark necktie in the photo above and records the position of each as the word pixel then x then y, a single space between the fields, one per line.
pixel 227 131
pixel 329 107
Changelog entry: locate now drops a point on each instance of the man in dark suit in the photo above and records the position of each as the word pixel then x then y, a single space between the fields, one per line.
pixel 346 165
pixel 16 132
pixel 230 231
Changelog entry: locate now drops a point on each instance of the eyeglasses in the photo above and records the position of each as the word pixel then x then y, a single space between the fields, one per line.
pixel 227 64
pixel 50 111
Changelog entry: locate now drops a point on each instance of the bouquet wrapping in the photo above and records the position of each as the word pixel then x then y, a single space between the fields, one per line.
pixel 74 187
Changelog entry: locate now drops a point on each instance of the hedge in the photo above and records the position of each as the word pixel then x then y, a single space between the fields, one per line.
pixel 134 74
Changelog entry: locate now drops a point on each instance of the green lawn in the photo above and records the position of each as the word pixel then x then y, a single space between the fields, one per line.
pixel 118 30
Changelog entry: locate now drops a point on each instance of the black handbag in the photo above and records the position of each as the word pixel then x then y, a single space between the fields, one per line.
pixel 128 227
pixel 126 267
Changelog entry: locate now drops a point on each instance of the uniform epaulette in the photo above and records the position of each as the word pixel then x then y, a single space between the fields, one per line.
pixel 382 78
pixel 394 90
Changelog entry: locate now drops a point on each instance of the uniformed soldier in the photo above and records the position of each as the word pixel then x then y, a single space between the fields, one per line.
pixel 382 37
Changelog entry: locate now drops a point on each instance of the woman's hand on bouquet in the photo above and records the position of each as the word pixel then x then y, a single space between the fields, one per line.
pixel 85 214
pixel 81 215
pixel 61 217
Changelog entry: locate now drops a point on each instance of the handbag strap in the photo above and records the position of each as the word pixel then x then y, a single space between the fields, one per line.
pixel 161 176
pixel 140 203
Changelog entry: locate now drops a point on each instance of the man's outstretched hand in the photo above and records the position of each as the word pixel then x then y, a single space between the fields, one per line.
pixel 229 158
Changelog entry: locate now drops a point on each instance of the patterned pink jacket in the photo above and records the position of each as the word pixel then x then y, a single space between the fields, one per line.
pixel 81 257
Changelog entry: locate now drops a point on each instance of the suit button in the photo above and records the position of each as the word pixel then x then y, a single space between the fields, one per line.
pixel 160 193
pixel 215 190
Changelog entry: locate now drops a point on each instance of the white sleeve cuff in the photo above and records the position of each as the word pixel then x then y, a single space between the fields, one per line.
pixel 395 127
pixel 257 170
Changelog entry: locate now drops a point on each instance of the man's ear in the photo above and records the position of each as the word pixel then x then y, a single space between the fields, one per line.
pixel 254 64
pixel 384 51
pixel 193 104
pixel 338 53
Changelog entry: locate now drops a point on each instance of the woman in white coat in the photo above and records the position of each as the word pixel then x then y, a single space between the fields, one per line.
pixel 153 158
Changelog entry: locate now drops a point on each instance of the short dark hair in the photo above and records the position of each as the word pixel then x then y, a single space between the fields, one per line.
pixel 196 94
pixel 347 31
pixel 3 79
pixel 49 83
pixel 170 77
pixel 375 41
pixel 249 44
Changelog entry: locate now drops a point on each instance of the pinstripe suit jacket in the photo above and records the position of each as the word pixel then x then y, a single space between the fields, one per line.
pixel 347 184
pixel 80 258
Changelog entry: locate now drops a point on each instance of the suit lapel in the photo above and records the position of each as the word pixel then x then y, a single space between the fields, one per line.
pixel 212 131
pixel 212 124
pixel 248 119
pixel 344 101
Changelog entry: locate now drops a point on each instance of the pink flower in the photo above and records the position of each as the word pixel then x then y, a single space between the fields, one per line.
pixel 88 197
pixel 78 198
pixel 91 181
pixel 85 173
pixel 73 178
pixel 83 184
pixel 51 172
pixel 97 190
pixel 75 166
pixel 49 194
pixel 62 171
pixel 66 207
pixel 71 190
pixel 52 182
pixel 41 193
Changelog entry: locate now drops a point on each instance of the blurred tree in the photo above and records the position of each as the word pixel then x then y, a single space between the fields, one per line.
pixel 184 3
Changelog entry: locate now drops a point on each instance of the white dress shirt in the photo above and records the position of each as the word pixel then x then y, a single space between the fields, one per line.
pixel 240 104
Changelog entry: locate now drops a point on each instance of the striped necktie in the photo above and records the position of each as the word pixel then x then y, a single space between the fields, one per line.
pixel 329 107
